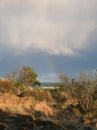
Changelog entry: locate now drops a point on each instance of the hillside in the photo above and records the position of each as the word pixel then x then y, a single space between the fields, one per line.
pixel 44 109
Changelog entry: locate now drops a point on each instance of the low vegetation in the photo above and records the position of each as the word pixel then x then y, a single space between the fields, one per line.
pixel 7 86
pixel 71 105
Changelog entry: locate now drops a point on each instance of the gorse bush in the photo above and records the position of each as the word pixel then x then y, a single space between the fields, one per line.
pixel 37 94
pixel 7 86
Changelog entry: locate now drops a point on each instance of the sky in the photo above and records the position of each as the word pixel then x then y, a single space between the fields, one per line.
pixel 51 36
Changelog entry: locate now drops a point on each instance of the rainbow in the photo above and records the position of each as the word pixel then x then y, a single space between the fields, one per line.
pixel 52 67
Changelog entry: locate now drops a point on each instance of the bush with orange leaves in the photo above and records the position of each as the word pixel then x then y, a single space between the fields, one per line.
pixel 7 86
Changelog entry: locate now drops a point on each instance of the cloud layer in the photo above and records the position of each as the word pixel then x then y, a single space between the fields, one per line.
pixel 50 26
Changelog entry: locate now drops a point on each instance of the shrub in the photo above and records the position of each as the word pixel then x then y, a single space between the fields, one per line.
pixel 58 95
pixel 38 94
pixel 7 86
pixel 84 90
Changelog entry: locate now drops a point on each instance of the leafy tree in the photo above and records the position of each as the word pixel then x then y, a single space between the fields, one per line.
pixel 27 76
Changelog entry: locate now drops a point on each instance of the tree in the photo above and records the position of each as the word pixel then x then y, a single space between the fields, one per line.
pixel 27 76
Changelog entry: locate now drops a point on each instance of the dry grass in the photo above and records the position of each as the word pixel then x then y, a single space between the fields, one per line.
pixel 14 104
